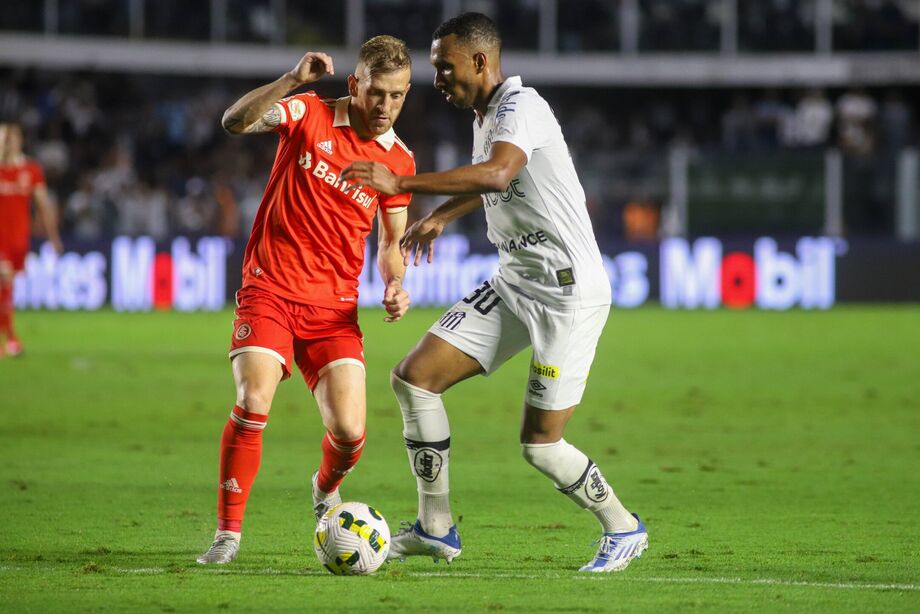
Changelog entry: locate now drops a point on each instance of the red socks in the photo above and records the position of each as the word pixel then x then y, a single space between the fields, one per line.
pixel 338 459
pixel 240 456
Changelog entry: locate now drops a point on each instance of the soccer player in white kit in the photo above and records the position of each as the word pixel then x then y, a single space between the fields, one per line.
pixel 551 293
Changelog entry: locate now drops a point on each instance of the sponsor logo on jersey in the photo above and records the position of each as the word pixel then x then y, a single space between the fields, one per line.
pixel 322 171
pixel 452 319
pixel 513 189
pixel 325 146
pixel 305 160
pixel 298 108
pixel 542 370
pixel 525 241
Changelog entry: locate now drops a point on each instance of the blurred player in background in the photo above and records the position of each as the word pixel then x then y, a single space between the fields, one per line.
pixel 551 293
pixel 21 181
pixel 298 301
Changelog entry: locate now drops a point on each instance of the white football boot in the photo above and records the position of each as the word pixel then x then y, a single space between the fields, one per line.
pixel 323 502
pixel 224 549
pixel 413 541
pixel 617 550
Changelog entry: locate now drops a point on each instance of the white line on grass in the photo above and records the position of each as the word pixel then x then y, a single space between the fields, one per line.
pixel 270 571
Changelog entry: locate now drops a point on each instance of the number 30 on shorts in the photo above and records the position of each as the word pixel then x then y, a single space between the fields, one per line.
pixel 483 298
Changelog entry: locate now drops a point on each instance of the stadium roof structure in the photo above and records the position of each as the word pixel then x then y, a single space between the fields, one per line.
pixel 583 69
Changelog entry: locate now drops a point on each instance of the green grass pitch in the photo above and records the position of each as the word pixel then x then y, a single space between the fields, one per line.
pixel 775 458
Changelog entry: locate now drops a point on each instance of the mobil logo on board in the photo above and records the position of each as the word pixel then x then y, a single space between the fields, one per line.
pixel 702 274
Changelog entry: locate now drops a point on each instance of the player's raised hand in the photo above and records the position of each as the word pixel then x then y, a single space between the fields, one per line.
pixel 312 67
pixel 372 174
pixel 395 301
pixel 419 237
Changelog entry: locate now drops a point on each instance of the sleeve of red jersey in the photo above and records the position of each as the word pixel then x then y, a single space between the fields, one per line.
pixel 295 109
pixel 397 201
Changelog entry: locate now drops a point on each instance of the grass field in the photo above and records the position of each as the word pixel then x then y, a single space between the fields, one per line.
pixel 774 457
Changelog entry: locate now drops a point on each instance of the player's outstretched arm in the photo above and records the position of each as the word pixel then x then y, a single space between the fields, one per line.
pixel 421 235
pixel 255 111
pixel 390 263
pixel 493 175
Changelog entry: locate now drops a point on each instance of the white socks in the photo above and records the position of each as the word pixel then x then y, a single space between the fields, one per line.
pixel 427 436
pixel 580 480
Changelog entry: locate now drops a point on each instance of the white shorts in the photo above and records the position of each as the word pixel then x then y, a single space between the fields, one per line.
pixel 490 330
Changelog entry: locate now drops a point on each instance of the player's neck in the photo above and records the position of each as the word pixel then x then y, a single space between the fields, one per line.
pixel 357 124
pixel 12 159
pixel 493 82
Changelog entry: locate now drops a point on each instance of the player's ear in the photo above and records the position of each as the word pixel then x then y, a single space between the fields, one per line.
pixel 480 61
pixel 352 86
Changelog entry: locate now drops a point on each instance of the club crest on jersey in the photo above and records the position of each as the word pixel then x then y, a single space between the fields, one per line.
pixel 243 331
pixel 306 160
pixel 325 146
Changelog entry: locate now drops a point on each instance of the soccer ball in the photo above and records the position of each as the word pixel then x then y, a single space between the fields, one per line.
pixel 352 539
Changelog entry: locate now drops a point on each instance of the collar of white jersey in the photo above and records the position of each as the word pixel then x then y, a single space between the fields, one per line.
pixel 510 82
pixel 386 140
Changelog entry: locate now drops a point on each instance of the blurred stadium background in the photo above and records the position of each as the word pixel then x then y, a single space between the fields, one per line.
pixel 782 133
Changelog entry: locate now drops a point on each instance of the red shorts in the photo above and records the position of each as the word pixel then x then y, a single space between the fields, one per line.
pixel 15 255
pixel 318 338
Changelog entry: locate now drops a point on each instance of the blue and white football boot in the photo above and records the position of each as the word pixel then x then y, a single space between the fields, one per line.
pixel 413 541
pixel 617 550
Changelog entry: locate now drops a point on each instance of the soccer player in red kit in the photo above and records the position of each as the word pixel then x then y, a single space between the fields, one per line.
pixel 21 180
pixel 298 301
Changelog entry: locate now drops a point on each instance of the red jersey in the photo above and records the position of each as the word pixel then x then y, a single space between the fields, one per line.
pixel 307 241
pixel 17 184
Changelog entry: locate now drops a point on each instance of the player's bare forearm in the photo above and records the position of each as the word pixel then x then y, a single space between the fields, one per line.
pixel 472 179
pixel 390 264
pixel 254 111
pixel 247 112
pixel 48 217
pixel 419 238
pixel 455 208
pixel 390 261
pixel 493 175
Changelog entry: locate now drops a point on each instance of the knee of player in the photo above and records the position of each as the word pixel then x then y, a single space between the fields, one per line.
pixel 348 430
pixel 254 399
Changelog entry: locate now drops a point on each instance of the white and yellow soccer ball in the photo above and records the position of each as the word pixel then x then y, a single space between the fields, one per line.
pixel 352 539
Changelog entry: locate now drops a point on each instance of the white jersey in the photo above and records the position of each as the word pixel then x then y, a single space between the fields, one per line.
pixel 540 224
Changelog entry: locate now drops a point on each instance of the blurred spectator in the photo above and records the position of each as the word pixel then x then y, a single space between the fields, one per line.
pixel 640 220
pixel 773 119
pixel 812 120
pixel 739 125
pixel 196 212
pixel 856 133
pixel 82 213
pixel 895 122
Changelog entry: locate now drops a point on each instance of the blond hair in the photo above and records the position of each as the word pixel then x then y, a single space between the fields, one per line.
pixel 383 54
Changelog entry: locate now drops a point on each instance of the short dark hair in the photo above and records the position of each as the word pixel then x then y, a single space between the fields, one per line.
pixel 473 28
